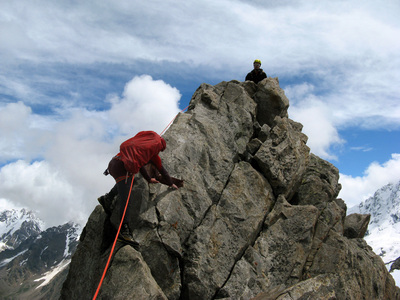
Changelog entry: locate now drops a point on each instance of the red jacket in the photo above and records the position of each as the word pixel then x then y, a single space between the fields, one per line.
pixel 142 148
pixel 136 153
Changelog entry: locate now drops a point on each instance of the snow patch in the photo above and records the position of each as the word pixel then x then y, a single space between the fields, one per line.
pixel 396 276
pixel 7 260
pixel 48 276
pixel 16 226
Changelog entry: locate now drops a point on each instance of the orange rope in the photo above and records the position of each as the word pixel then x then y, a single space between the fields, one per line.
pixel 162 132
pixel 115 241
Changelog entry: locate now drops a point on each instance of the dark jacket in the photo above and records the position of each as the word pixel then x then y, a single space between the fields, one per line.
pixel 256 76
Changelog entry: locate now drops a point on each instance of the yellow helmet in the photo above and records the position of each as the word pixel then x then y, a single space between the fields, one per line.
pixel 257 61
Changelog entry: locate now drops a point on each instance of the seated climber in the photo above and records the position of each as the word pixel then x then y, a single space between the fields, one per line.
pixel 139 153
pixel 257 74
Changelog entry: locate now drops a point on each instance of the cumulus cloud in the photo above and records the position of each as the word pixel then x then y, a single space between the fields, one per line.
pixel 13 123
pixel 65 183
pixel 39 187
pixel 323 113
pixel 23 134
pixel 357 189
pixel 144 98
pixel 7 205
pixel 322 135
pixel 317 119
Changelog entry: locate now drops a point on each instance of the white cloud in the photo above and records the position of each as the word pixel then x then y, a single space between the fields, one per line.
pixel 13 119
pixel 316 117
pixel 322 135
pixel 346 106
pixel 144 98
pixel 65 185
pixel 39 187
pixel 114 31
pixel 7 205
pixel 361 148
pixel 22 133
pixel 357 189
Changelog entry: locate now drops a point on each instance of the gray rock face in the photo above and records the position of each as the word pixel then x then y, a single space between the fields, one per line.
pixel 257 216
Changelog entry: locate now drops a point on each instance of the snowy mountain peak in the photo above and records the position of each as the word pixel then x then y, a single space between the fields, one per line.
pixel 40 260
pixel 16 226
pixel 384 206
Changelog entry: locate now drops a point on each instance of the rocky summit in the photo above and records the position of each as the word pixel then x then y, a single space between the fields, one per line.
pixel 258 216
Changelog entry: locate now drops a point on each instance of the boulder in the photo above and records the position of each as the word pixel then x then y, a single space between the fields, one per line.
pixel 355 225
pixel 319 184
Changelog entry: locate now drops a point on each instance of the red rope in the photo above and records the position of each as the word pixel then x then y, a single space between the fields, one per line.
pixel 162 132
pixel 115 241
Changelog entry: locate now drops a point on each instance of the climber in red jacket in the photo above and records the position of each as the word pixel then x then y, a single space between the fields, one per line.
pixel 139 153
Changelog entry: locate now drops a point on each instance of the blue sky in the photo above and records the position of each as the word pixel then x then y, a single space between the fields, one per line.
pixel 77 78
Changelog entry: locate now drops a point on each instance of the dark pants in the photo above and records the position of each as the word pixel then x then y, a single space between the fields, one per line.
pixel 123 192
pixel 118 171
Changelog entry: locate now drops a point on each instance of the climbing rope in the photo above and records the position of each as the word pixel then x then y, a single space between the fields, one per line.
pixel 115 242
pixel 123 216
pixel 162 132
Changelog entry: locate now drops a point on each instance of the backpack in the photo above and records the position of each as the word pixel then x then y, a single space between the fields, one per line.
pixel 138 150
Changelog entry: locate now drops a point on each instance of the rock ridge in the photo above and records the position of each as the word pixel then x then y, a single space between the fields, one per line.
pixel 258 216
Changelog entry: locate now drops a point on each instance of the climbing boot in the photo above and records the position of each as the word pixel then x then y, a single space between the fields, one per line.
pixel 125 236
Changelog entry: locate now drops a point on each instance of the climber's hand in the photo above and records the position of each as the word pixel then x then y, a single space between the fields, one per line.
pixel 173 186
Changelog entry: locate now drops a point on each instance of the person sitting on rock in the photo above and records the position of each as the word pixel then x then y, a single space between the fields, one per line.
pixel 139 153
pixel 257 74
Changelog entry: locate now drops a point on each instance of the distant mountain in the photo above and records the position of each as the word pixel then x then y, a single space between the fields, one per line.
pixel 383 233
pixel 33 262
pixel 16 226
